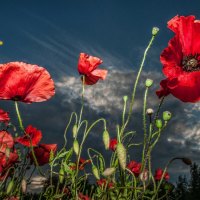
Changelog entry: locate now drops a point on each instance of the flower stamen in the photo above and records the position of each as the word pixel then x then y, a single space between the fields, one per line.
pixel 191 63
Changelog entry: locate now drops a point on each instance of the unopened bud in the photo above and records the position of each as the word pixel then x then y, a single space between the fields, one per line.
pixel 150 111
pixel 155 31
pixel 149 82
pixel 187 161
pixel 76 147
pixel 95 172
pixel 159 123
pixel 108 171
pixel 24 186
pixel 121 154
pixel 125 98
pixel 61 175
pixel 10 187
pixel 144 175
pixel 7 152
pixel 1 43
pixel 167 116
pixel 74 130
pixel 106 139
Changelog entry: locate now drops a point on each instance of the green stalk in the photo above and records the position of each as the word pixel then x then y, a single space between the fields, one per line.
pixel 19 116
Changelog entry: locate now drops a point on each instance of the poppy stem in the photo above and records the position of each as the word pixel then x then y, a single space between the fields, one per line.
pixel 19 116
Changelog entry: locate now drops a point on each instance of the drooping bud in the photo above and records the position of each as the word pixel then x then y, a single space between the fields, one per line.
pixel 187 161
pixel 159 123
pixel 61 175
pixel 24 186
pixel 74 130
pixel 95 172
pixel 106 139
pixel 76 147
pixel 10 187
pixel 148 82
pixel 167 116
pixel 155 31
pixel 108 171
pixel 144 175
pixel 121 154
pixel 150 111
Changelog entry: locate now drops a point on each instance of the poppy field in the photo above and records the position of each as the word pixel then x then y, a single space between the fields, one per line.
pixel 68 173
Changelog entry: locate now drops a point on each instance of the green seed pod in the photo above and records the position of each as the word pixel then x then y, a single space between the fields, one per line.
pixel 24 186
pixel 76 147
pixel 159 123
pixel 167 116
pixel 1 43
pixel 149 82
pixel 61 175
pixel 108 171
pixel 10 187
pixel 155 31
pixel 106 139
pixel 125 98
pixel 74 130
pixel 95 172
pixel 121 154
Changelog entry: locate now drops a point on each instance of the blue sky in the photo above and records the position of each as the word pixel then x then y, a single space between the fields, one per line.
pixel 53 33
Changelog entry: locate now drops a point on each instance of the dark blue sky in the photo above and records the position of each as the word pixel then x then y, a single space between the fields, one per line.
pixel 53 33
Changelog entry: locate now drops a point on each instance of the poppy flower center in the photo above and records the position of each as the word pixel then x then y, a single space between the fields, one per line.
pixel 191 63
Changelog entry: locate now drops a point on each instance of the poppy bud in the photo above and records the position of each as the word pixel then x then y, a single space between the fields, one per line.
pixel 143 175
pixel 24 185
pixel 95 172
pixel 148 82
pixel 106 139
pixel 125 98
pixel 155 31
pixel 150 111
pixel 76 147
pixel 10 187
pixel 159 123
pixel 121 153
pixel 61 175
pixel 1 43
pixel 108 171
pixel 74 130
pixel 187 161
pixel 167 116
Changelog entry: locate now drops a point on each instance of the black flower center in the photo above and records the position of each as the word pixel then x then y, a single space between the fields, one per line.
pixel 191 63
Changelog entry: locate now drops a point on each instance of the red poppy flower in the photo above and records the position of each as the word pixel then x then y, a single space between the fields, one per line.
pixel 113 144
pixel 159 173
pixel 6 141
pixel 31 137
pixel 87 66
pixel 134 167
pixel 25 82
pixel 81 196
pixel 103 182
pixel 181 60
pixel 4 116
pixel 42 153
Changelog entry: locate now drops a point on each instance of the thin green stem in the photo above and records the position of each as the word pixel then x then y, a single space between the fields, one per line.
pixel 19 116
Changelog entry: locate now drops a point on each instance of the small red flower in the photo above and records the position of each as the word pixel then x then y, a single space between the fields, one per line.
pixel 81 196
pixel 31 137
pixel 134 167
pixel 4 116
pixel 181 60
pixel 113 144
pixel 103 182
pixel 159 173
pixel 25 82
pixel 42 153
pixel 87 66
pixel 6 141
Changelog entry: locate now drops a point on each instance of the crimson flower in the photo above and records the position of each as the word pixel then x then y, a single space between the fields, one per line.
pixel 31 137
pixel 42 153
pixel 134 167
pixel 87 66
pixel 113 144
pixel 181 60
pixel 103 182
pixel 25 82
pixel 159 173
pixel 6 141
pixel 81 196
pixel 4 116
